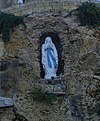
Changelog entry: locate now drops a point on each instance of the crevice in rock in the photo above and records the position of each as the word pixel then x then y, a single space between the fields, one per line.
pixel 57 43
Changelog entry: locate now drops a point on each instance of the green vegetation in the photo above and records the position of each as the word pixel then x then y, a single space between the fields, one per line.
pixel 7 24
pixel 89 14
pixel 41 95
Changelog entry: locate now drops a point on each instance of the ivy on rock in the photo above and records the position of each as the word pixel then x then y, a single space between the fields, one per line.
pixel 8 22
pixel 89 14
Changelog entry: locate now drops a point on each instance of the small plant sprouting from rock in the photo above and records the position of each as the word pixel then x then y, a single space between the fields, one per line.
pixel 41 95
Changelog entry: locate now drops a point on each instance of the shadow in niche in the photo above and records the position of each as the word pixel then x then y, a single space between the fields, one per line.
pixel 56 41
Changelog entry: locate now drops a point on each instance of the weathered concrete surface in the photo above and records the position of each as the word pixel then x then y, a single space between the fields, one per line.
pixel 37 6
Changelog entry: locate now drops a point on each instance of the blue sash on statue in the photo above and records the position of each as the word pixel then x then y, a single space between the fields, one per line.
pixel 50 55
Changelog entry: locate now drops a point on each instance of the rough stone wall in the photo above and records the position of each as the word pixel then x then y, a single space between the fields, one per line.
pixel 81 55
pixel 5 3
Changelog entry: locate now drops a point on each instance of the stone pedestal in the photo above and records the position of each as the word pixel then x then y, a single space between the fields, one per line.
pixel 56 86
pixel 6 102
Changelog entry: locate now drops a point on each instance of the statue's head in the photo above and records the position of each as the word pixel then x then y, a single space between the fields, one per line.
pixel 48 40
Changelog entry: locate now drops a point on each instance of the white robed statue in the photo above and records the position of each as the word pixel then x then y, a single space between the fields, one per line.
pixel 49 58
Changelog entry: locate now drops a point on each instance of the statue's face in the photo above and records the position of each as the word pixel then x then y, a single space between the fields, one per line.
pixel 48 40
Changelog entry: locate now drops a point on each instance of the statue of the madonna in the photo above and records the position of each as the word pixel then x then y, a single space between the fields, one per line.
pixel 49 58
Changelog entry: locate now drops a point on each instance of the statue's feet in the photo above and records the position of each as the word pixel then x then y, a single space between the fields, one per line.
pixel 52 78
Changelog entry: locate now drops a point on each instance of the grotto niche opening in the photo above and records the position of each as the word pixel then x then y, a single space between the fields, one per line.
pixel 58 50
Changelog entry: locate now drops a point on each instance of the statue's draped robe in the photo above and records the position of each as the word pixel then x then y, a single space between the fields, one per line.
pixel 49 58
pixel 20 1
